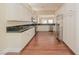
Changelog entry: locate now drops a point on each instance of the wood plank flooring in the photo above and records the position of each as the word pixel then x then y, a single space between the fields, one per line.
pixel 45 43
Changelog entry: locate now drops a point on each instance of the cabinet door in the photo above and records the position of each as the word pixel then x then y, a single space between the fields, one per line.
pixel 27 36
pixel 43 28
pixel 14 42
pixel 17 12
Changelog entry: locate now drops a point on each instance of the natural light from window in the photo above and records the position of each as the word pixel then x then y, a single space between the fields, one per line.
pixel 50 21
pixel 44 21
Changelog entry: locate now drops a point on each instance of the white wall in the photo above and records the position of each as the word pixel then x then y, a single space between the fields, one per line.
pixel 2 27
pixel 69 26
pixel 77 27
pixel 68 11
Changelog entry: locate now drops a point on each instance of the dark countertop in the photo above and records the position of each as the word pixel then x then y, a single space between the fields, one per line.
pixel 18 29
pixel 22 28
pixel 34 24
pixel 43 24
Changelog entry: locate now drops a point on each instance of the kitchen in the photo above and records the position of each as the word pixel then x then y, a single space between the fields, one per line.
pixel 24 30
pixel 25 21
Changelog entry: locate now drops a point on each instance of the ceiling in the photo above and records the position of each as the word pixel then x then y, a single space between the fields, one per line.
pixel 45 6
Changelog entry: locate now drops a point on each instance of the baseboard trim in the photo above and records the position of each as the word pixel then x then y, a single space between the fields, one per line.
pixel 12 49
pixel 69 48
pixel 28 42
pixel 66 46
pixel 3 52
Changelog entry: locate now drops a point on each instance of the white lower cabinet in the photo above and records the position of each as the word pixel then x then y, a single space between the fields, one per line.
pixel 43 28
pixel 17 41
pixel 27 36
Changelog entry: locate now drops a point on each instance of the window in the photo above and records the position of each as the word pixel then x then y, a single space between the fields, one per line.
pixel 44 21
pixel 47 21
pixel 50 21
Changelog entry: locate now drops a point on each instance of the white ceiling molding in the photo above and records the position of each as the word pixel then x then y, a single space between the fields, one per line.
pixel 46 15
pixel 45 6
pixel 26 5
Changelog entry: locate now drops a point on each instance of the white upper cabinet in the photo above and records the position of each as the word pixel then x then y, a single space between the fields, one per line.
pixel 19 12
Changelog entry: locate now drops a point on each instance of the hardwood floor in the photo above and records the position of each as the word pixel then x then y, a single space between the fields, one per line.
pixel 45 43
